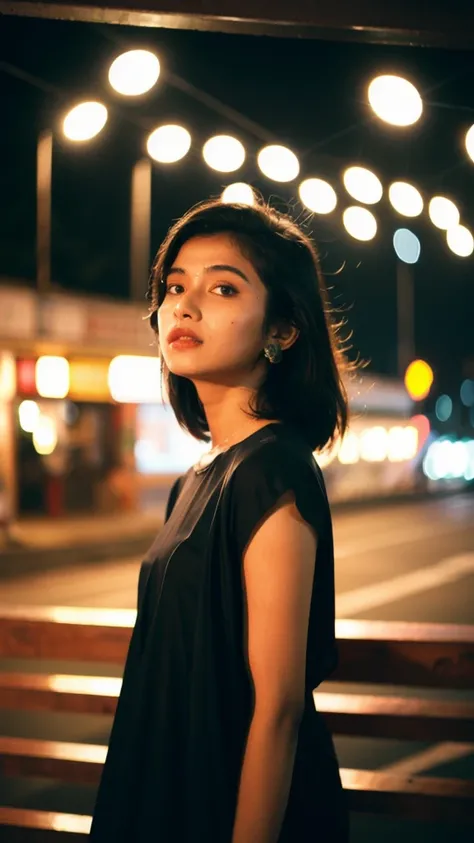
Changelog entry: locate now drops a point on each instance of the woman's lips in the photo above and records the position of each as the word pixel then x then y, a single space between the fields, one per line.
pixel 185 343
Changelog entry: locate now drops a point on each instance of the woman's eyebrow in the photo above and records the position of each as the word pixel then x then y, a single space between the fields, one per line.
pixel 218 267
pixel 226 267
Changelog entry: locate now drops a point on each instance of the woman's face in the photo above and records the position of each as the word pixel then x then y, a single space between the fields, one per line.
pixel 214 293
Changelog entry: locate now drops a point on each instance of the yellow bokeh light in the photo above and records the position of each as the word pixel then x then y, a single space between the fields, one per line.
pixel 418 379
pixel 318 195
pixel 238 193
pixel 135 380
pixel 28 414
pixel 395 100
pixel 224 153
pixel 52 377
pixel 45 435
pixel 278 163
pixel 85 121
pixel 169 144
pixel 134 72
pixel 363 185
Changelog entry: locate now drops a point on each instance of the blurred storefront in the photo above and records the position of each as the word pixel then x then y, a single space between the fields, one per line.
pixel 76 436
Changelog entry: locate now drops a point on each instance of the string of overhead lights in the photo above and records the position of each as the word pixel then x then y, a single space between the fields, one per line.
pixel 393 99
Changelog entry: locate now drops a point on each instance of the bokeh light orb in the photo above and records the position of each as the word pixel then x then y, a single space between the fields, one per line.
pixel 238 193
pixel 460 241
pixel 407 246
pixel 85 121
pixel 405 199
pixel 469 141
pixel 134 73
pixel 224 153
pixel 443 212
pixel 395 100
pixel 363 185
pixel 168 144
pixel 419 379
pixel 360 223
pixel 318 195
pixel 278 163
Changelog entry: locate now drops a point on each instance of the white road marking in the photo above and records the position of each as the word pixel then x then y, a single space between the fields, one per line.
pixel 386 538
pixel 434 756
pixel 358 600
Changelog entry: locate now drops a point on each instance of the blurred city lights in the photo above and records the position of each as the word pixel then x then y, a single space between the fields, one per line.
pixel 402 443
pixel 135 380
pixel 224 153
pixel 318 196
pixel 422 424
pixel 349 452
pixel 134 72
pixel 363 185
pixel 443 212
pixel 470 142
pixel 450 459
pixel 28 414
pixel 85 121
pixel 418 379
pixel 278 163
pixel 52 377
pixel 405 199
pixel 460 241
pixel 395 100
pixel 168 144
pixel 360 223
pixel 467 392
pixel 443 408
pixel 238 193
pixel 45 435
pixel 407 246
pixel 374 444
pixel 7 376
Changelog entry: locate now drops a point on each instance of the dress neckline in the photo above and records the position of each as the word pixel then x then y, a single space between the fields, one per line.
pixel 200 469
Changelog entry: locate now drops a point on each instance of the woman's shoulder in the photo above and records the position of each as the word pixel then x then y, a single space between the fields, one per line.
pixel 269 467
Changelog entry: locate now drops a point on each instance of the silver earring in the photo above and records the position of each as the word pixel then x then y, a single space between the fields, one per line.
pixel 273 352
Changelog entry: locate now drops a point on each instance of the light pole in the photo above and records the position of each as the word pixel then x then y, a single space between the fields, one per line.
pixel 83 122
pixel 44 170
pixel 140 225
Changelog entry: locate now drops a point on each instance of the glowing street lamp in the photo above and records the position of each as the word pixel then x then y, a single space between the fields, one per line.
pixel 318 196
pixel 224 153
pixel 238 193
pixel 134 73
pixel 85 121
pixel 443 212
pixel 460 241
pixel 469 141
pixel 405 199
pixel 278 163
pixel 82 123
pixel 419 379
pixel 407 246
pixel 395 100
pixel 360 223
pixel 363 185
pixel 168 144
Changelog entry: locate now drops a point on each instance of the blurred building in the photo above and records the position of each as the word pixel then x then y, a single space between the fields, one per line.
pixel 82 423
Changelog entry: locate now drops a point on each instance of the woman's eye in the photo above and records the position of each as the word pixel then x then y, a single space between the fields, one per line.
pixel 169 287
pixel 230 290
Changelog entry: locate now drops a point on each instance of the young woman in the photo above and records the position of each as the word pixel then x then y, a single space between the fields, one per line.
pixel 216 738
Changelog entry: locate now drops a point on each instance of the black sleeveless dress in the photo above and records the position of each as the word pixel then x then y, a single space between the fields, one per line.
pixel 178 740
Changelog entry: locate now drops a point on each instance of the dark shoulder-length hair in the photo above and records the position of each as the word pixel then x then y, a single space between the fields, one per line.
pixel 305 389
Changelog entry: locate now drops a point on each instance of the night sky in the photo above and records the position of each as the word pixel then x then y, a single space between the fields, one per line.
pixel 308 94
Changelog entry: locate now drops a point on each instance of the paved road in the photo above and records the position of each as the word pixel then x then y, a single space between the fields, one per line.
pixel 399 562
pixel 411 562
